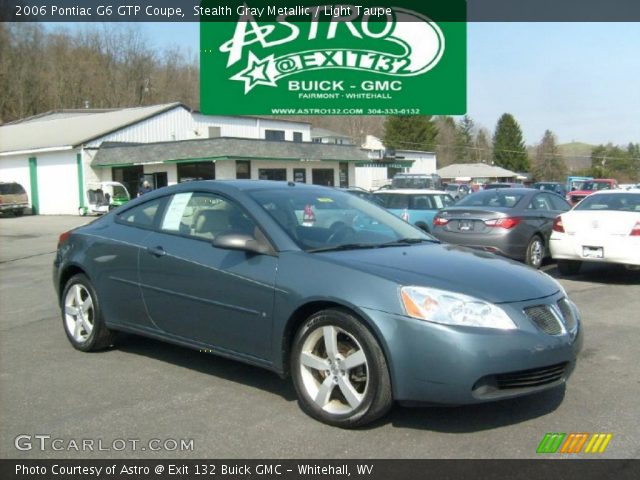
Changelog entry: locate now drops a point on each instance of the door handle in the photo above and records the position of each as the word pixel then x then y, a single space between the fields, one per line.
pixel 156 251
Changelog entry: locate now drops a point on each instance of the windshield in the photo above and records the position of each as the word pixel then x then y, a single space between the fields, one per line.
pixel 624 202
pixel 595 186
pixel 491 198
pixel 326 219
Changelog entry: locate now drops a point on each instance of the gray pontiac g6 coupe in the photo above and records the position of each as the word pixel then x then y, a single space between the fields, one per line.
pixel 360 312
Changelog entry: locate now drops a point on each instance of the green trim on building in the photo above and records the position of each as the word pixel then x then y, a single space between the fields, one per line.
pixel 33 180
pixel 80 180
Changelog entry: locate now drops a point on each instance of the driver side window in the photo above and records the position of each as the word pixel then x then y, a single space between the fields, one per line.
pixel 205 215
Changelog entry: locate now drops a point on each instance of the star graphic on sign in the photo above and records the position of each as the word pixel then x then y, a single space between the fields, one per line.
pixel 256 73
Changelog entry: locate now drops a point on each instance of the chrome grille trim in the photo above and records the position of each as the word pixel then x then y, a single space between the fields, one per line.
pixel 547 318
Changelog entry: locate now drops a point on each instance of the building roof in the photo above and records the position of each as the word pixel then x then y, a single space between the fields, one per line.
pixel 223 148
pixel 324 133
pixel 475 170
pixel 71 130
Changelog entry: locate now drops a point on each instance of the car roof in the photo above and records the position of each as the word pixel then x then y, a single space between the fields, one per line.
pixel 620 191
pixel 411 191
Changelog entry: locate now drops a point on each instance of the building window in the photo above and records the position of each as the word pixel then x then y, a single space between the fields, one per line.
pixel 323 176
pixel 196 171
pixel 131 177
pixel 344 174
pixel 297 137
pixel 243 169
pixel 317 140
pixel 272 174
pixel 274 135
pixel 299 175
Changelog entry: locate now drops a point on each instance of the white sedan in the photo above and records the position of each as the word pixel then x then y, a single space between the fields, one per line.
pixel 604 227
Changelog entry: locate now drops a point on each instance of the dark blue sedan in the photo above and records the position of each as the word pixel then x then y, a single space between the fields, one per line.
pixel 359 312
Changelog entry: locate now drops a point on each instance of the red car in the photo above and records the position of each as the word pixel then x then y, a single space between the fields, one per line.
pixel 591 186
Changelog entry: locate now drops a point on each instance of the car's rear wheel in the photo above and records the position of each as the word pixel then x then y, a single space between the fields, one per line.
pixel 569 267
pixel 82 318
pixel 535 252
pixel 339 370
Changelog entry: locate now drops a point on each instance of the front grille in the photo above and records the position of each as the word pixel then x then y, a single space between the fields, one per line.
pixel 545 319
pixel 535 377
pixel 570 321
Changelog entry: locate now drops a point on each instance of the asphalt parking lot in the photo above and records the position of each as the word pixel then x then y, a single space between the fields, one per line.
pixel 144 389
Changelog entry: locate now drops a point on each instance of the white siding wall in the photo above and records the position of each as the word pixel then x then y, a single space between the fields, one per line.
pixel 16 169
pixel 370 178
pixel 423 162
pixel 248 127
pixel 176 124
pixel 170 168
pixel 58 183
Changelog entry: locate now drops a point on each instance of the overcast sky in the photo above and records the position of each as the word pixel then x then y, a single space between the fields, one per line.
pixel 580 80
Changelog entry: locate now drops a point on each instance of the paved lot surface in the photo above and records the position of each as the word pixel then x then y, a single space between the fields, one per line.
pixel 147 390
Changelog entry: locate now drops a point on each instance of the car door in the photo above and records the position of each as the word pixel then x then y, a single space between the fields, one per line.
pixel 203 294
pixel 113 256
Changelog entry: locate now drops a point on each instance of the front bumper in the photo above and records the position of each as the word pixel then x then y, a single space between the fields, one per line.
pixel 440 364
pixel 13 206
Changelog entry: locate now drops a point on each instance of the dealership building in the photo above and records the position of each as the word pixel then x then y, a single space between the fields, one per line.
pixel 55 156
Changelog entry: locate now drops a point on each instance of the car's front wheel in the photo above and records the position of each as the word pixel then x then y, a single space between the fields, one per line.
pixel 339 370
pixel 81 316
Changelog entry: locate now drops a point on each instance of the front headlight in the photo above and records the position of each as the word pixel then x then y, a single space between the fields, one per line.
pixel 450 308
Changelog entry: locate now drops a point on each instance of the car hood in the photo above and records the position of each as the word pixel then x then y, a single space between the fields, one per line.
pixel 450 267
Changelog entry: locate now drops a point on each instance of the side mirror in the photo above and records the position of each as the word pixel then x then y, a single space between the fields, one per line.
pixel 237 241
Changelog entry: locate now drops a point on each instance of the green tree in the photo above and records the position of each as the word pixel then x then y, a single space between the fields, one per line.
pixel 412 132
pixel 547 163
pixel 611 161
pixel 508 146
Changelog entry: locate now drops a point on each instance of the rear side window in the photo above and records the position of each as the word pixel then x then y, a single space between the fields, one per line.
pixel 395 201
pixel 143 215
pixel 559 203
pixel 11 189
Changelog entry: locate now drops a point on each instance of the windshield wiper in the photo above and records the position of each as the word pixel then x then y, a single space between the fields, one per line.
pixel 344 246
pixel 407 241
pixel 357 246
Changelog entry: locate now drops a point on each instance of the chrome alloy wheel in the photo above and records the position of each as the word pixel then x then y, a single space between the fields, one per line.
pixel 334 370
pixel 536 254
pixel 79 313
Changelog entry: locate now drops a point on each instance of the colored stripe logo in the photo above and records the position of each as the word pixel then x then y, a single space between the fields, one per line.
pixel 574 443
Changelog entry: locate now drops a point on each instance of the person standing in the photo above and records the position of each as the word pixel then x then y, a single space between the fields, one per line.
pixel 146 188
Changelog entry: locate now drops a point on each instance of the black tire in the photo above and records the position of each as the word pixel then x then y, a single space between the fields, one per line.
pixel 19 212
pixel 569 267
pixel 376 396
pixel 535 253
pixel 100 336
pixel 423 227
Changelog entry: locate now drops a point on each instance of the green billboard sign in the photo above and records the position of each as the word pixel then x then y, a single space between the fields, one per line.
pixel 395 59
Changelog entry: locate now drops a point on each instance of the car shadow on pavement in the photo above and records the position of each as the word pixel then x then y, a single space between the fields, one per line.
pixel 208 364
pixel 475 418
pixel 600 273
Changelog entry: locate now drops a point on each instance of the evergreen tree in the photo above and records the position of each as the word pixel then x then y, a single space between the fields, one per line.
pixel 446 140
pixel 508 146
pixel 411 132
pixel 548 164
